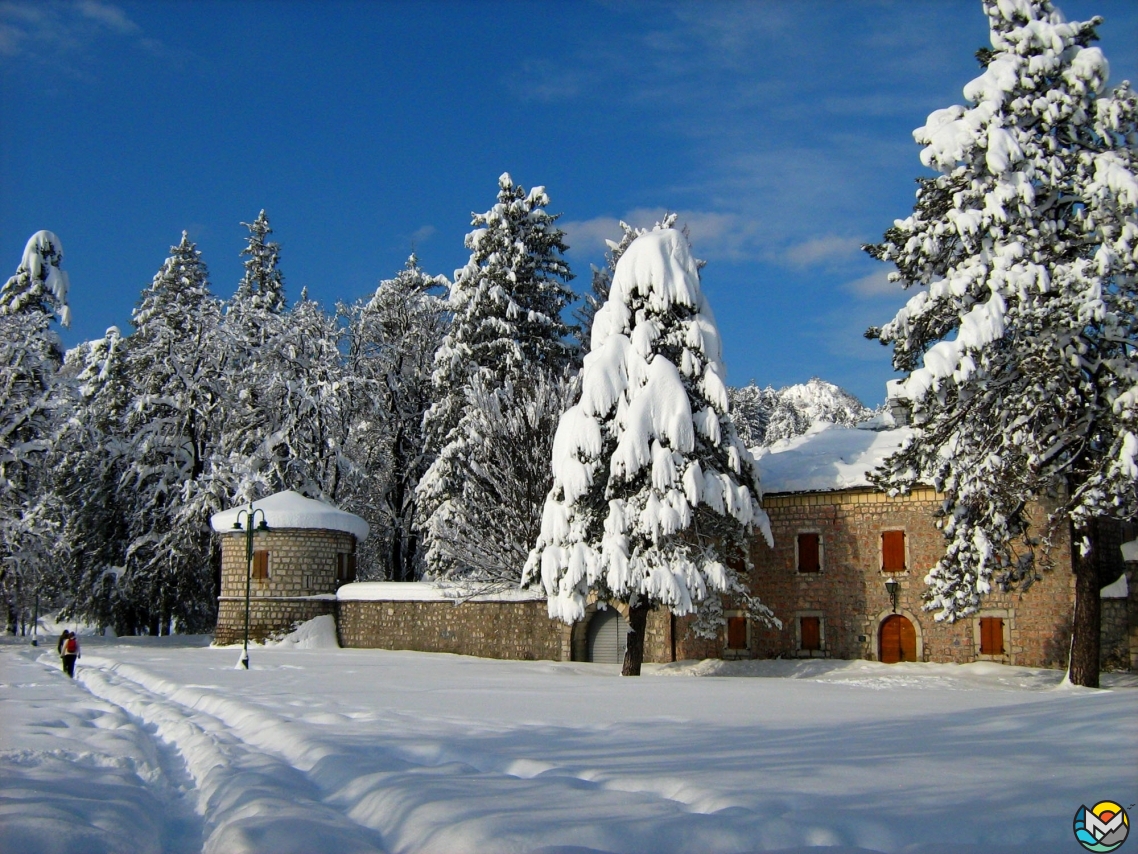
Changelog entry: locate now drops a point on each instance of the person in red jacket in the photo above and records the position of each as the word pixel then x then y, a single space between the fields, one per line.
pixel 69 651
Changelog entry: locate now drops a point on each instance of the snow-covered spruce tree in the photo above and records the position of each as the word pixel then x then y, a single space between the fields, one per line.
pixel 392 340
pixel 286 389
pixel 654 497
pixel 1022 349
pixel 506 305
pixel 262 286
pixel 30 403
pixel 174 361
pixel 298 409
pixel 88 462
pixel 503 444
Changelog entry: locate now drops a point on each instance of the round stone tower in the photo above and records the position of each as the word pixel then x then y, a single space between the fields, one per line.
pixel 304 552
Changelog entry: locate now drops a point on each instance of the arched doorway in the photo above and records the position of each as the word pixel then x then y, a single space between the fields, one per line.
pixel 897 640
pixel 608 637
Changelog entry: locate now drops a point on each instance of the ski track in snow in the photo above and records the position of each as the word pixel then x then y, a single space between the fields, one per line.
pixel 253 768
pixel 395 752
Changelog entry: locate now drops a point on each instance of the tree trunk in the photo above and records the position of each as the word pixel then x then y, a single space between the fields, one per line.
pixel 634 652
pixel 1084 665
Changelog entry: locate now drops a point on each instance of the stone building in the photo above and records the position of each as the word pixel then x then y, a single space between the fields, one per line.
pixel 306 551
pixel 845 577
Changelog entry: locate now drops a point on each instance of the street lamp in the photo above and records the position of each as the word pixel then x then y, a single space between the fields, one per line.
pixel 250 520
pixel 892 586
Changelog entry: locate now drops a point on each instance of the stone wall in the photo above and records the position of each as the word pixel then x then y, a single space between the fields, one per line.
pixel 268 617
pixel 301 582
pixel 1115 649
pixel 850 597
pixel 509 629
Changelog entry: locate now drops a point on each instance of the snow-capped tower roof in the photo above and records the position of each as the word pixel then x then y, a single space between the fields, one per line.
pixel 290 509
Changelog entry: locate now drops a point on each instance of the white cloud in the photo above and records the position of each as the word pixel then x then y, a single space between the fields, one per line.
pixel 423 234
pixel 66 36
pixel 827 249
pixel 876 284
pixel 112 17
pixel 714 234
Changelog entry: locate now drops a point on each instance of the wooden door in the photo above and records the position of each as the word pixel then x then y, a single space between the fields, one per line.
pixel 897 640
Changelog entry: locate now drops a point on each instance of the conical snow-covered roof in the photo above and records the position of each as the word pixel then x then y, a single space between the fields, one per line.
pixel 290 509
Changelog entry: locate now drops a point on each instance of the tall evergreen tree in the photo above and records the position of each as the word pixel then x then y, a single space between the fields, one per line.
pixel 88 461
pixel 174 360
pixel 1022 347
pixel 392 340
pixel 654 497
pixel 30 400
pixel 507 329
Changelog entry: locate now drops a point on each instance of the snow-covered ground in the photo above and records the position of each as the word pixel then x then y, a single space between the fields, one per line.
pixel 161 745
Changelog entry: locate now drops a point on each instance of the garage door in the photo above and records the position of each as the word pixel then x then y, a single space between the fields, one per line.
pixel 608 636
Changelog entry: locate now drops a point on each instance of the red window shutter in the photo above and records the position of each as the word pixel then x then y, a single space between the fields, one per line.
pixel 811 631
pixel 736 632
pixel 991 636
pixel 893 551
pixel 808 553
pixel 260 564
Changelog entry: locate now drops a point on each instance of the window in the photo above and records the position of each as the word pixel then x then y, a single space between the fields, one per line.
pixel 809 552
pixel 810 634
pixel 991 636
pixel 345 567
pixel 736 632
pixel 893 551
pixel 260 564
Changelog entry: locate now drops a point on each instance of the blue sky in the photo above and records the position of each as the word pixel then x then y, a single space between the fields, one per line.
pixel 781 132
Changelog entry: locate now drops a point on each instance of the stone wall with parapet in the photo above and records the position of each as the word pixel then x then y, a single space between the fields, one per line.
pixel 417 618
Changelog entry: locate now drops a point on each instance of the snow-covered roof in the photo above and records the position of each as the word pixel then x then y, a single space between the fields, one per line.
pixel 290 509
pixel 425 591
pixel 827 458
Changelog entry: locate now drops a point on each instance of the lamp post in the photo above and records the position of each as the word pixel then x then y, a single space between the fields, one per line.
pixel 250 520
pixel 892 586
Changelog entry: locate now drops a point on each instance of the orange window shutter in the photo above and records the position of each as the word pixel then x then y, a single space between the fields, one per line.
pixel 351 575
pixel 991 636
pixel 736 632
pixel 808 553
pixel 811 633
pixel 260 564
pixel 893 551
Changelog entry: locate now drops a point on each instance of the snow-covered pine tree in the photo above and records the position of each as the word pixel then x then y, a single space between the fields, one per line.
pixel 174 361
pixel 30 403
pixel 503 445
pixel 88 463
pixel 392 340
pixel 303 409
pixel 253 319
pixel 507 329
pixel 262 286
pixel 602 278
pixel 1022 347
pixel 654 497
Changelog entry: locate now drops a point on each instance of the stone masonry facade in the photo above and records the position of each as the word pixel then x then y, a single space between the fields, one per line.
pixel 850 599
pixel 847 600
pixel 508 629
pixel 301 581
